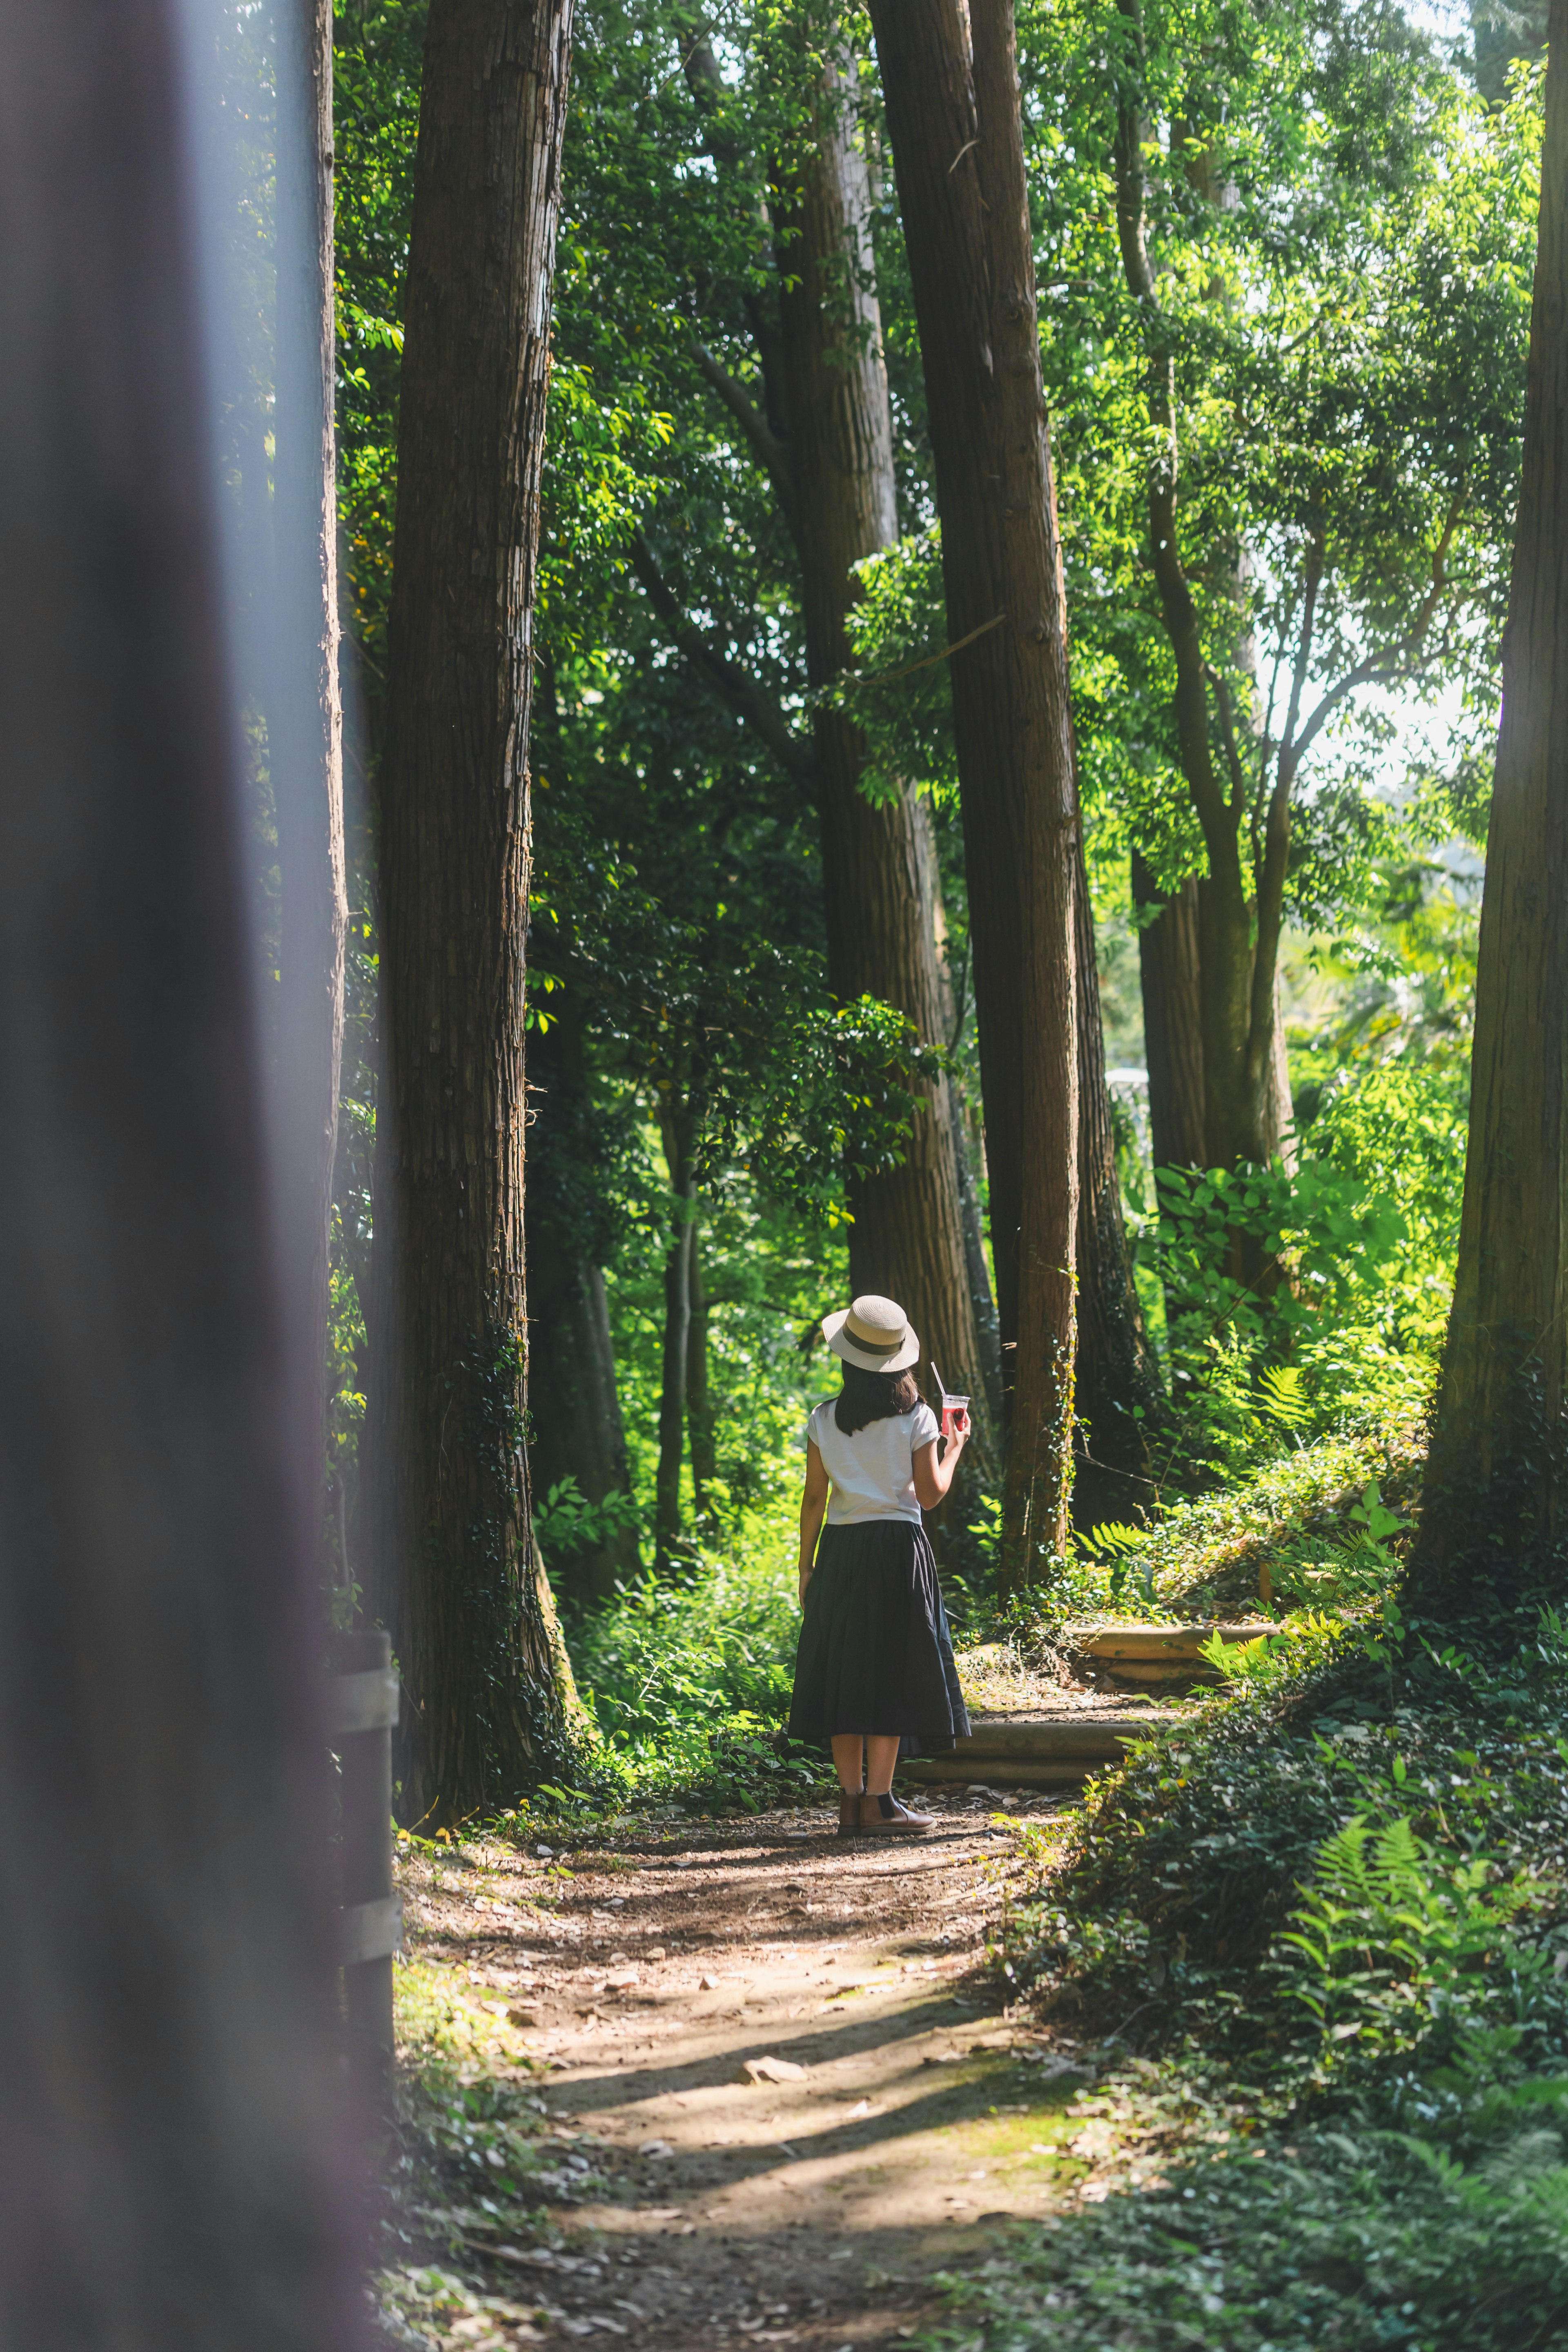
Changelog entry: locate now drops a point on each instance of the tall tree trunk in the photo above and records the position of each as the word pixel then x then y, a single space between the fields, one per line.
pixel 169 2090
pixel 1120 1401
pixel 679 1138
pixel 305 715
pixel 953 111
pixel 452 1545
pixel 698 1405
pixel 907 1238
pixel 1498 1439
pixel 1173 1019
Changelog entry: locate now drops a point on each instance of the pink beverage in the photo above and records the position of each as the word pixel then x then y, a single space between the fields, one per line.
pixel 952 1406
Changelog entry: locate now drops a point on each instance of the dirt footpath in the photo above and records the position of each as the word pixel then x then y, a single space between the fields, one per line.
pixel 782 2088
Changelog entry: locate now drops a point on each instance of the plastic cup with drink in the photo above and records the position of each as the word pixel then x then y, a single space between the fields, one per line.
pixel 952 1406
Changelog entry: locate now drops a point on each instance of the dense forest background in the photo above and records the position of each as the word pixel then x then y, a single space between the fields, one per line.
pixel 1346 304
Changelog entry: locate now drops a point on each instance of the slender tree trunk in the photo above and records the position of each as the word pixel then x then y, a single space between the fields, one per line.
pixel 575 1429
pixel 452 1545
pixel 173 2175
pixel 1498 1439
pixel 305 717
pixel 1120 1402
pixel 678 1137
pixel 907 1238
pixel 699 1406
pixel 1237 938
pixel 575 1412
pixel 1173 1019
pixel 958 154
pixel 978 1272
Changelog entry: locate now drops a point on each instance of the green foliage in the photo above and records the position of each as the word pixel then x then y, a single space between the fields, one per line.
pixel 689 1681
pixel 1337 1907
pixel 1297 1302
pixel 1392 1934
pixel 566 1522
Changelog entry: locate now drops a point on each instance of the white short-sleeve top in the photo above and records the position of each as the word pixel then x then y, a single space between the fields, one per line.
pixel 873 1472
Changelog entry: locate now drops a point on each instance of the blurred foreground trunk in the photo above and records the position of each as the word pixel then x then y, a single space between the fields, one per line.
pixel 305 713
pixel 172 2180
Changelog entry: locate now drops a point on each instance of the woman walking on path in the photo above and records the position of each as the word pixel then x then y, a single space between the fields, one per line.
pixel 874 1668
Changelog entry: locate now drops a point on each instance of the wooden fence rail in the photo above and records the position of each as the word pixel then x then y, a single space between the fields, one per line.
pixel 362 1707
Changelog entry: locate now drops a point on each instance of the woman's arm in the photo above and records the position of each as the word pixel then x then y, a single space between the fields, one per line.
pixel 932 1478
pixel 813 1504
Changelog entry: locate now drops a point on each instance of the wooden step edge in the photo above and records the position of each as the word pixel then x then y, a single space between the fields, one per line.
pixel 999 1772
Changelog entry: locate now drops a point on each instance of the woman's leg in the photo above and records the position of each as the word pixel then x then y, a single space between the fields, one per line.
pixel 881 1755
pixel 847 1761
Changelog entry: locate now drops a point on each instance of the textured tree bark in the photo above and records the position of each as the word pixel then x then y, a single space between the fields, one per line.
pixel 953 111
pixel 1499 1437
pixel 172 2173
pixel 1173 1019
pixel 452 1550
pixel 907 1238
pixel 1120 1401
pixel 305 713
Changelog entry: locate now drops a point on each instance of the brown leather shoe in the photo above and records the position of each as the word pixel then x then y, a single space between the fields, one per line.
pixel 849 1821
pixel 893 1819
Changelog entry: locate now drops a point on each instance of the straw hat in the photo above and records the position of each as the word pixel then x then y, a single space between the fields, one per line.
pixel 874 1335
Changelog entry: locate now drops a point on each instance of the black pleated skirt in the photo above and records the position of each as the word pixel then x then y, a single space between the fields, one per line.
pixel 875 1653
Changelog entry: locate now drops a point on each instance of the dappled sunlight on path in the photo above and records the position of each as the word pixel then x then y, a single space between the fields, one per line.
pixel 781 2088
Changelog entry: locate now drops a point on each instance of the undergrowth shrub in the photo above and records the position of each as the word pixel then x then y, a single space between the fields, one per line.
pixel 1337 1904
pixel 687 1680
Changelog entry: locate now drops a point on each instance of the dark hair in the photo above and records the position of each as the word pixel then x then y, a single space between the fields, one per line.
pixel 866 1397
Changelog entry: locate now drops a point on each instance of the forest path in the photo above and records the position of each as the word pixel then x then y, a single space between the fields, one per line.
pixel 906 2124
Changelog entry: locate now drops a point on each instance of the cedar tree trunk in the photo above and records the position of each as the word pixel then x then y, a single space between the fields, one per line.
pixel 907 1239
pixel 452 1544
pixel 305 731
pixel 1499 1435
pixel 953 117
pixel 173 2175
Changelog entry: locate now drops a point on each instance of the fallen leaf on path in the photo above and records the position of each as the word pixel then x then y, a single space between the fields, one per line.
pixel 770 2070
pixel 707 1984
pixel 654 2147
